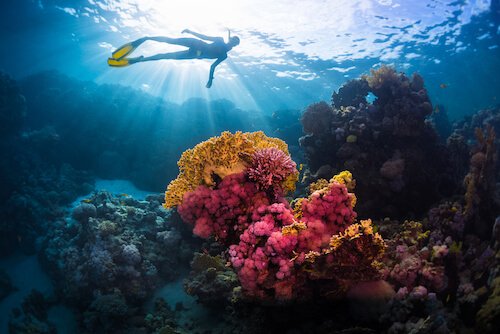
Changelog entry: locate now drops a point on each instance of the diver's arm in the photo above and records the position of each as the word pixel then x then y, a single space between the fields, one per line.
pixel 201 36
pixel 212 70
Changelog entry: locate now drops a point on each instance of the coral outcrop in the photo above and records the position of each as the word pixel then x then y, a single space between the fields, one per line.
pixel 278 251
pixel 112 253
pixel 393 153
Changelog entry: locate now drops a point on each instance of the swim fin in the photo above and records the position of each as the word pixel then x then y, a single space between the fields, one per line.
pixel 125 49
pixel 118 62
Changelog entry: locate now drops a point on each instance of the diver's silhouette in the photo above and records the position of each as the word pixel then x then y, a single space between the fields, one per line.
pixel 197 49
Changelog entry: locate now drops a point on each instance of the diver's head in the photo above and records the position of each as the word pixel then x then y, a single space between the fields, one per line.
pixel 233 41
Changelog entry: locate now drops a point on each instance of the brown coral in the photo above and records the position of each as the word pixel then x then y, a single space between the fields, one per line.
pixel 317 118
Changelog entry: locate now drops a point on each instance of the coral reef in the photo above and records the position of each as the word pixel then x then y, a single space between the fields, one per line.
pixel 480 206
pixel 352 93
pixel 39 196
pixel 32 317
pixel 278 251
pixel 211 281
pixel 267 263
pixel 112 253
pixel 393 153
pixel 162 319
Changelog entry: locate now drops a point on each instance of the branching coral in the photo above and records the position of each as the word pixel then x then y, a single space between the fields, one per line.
pixel 273 168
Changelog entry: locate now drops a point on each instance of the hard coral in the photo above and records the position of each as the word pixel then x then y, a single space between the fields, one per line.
pixel 216 158
pixel 386 143
pixel 317 118
pixel 353 93
pixel 480 206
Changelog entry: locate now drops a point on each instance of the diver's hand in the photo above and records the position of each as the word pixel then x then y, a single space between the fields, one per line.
pixel 186 31
pixel 209 83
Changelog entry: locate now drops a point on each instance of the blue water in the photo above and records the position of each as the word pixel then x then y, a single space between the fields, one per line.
pixel 280 63
pixel 78 132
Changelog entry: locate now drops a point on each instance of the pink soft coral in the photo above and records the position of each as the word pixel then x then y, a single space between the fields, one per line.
pixel 263 253
pixel 327 212
pixel 269 243
pixel 222 211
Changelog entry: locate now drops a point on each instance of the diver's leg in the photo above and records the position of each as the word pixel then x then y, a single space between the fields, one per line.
pixel 188 42
pixel 187 54
pixel 126 49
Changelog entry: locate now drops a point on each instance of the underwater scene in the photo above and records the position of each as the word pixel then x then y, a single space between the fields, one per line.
pixel 249 166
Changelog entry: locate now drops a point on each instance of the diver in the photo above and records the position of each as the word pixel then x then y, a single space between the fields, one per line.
pixel 197 49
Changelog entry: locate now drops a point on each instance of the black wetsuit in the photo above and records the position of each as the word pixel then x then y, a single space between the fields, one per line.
pixel 201 49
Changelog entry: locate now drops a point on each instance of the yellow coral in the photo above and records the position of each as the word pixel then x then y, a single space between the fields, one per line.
pixel 290 182
pixel 311 256
pixel 336 241
pixel 293 229
pixel 218 156
pixel 318 185
pixel 297 207
pixel 363 229
pixel 345 178
pixel 381 75
pixel 367 226
pixel 351 139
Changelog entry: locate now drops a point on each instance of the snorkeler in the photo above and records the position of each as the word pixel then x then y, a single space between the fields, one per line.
pixel 197 49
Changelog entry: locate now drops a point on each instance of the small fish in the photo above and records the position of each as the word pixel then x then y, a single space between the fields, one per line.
pixel 443 86
pixel 124 195
pixel 87 200
pixel 436 110
pixel 301 166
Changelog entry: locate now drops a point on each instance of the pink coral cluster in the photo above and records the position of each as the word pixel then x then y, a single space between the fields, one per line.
pixel 326 212
pixel 222 211
pixel 409 266
pixel 270 245
pixel 267 244
pixel 270 168
pixel 263 255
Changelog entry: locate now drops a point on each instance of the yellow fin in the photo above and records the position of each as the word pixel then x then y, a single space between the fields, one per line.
pixel 118 62
pixel 123 51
